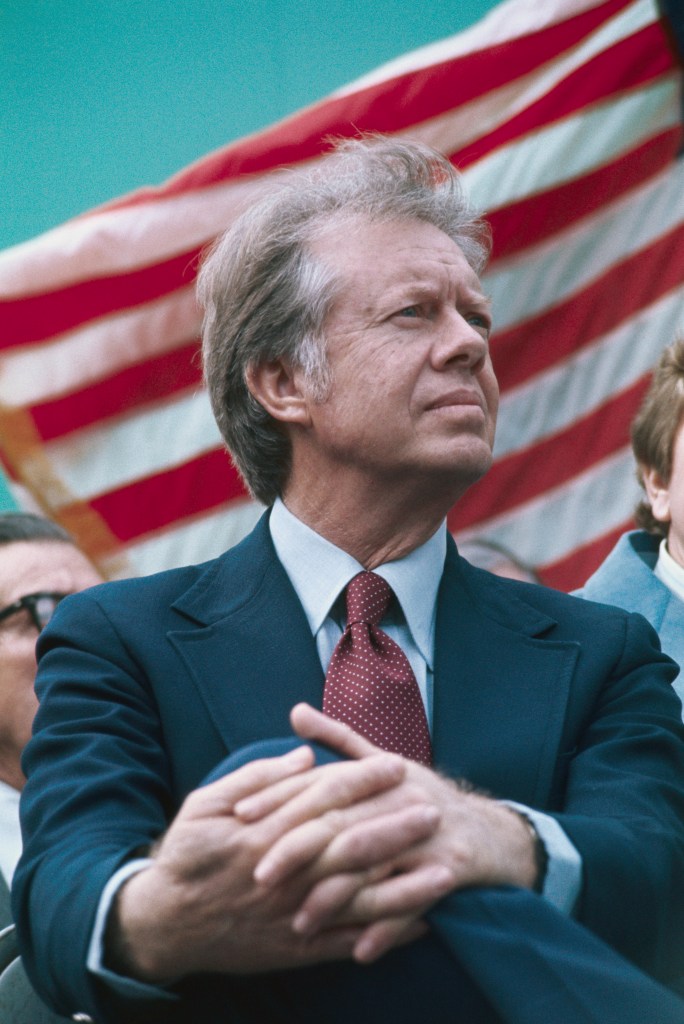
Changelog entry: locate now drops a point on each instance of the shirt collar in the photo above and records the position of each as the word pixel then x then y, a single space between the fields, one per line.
pixel 8 794
pixel 669 572
pixel 319 572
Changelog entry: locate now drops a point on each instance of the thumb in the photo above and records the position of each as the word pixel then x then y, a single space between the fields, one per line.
pixel 313 725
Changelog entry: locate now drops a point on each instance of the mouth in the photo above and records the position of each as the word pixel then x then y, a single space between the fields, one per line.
pixel 457 400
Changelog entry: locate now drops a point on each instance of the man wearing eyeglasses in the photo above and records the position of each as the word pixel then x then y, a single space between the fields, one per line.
pixel 39 565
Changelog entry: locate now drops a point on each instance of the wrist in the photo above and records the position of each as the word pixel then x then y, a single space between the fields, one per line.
pixel 539 852
pixel 131 948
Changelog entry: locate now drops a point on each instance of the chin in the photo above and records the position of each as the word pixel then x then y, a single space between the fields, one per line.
pixel 471 460
pixel 452 477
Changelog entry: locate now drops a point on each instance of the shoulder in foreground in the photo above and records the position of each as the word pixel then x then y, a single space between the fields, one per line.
pixel 158 586
pixel 163 588
pixel 555 603
pixel 143 603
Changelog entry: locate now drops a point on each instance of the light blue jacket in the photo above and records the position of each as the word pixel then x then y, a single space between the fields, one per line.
pixel 626 578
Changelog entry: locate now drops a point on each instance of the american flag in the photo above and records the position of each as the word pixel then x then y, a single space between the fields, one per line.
pixel 565 118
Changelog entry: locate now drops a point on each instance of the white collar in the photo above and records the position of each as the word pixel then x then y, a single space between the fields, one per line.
pixel 669 572
pixel 9 793
pixel 10 830
pixel 319 572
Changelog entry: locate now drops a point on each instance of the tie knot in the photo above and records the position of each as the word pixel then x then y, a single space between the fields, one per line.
pixel 368 598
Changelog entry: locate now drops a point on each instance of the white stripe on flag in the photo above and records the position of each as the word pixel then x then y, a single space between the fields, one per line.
pixel 550 526
pixel 557 397
pixel 100 459
pixel 191 542
pixel 573 146
pixel 557 268
pixel 105 346
pixel 116 241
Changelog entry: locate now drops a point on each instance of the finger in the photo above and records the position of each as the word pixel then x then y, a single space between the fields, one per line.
pixel 332 895
pixel 265 801
pixel 258 805
pixel 411 893
pixel 382 936
pixel 362 845
pixel 378 839
pixel 338 786
pixel 221 796
pixel 313 725
pixel 328 902
pixel 293 851
pixel 341 800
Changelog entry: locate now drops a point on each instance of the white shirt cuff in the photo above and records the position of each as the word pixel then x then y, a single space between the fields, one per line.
pixel 563 879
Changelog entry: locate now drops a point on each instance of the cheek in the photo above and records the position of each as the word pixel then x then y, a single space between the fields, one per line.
pixel 491 394
pixel 18 668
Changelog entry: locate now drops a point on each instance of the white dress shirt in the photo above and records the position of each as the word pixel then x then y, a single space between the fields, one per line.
pixel 320 572
pixel 10 832
pixel 669 572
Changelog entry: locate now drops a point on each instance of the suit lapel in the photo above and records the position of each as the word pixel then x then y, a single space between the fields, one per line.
pixel 245 642
pixel 500 689
pixel 247 645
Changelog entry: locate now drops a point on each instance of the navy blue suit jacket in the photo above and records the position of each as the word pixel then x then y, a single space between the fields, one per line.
pixel 145 685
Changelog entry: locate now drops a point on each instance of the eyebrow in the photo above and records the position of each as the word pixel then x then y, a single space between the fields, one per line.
pixel 484 302
pixel 424 287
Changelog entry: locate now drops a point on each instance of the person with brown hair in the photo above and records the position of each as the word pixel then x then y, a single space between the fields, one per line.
pixel 645 570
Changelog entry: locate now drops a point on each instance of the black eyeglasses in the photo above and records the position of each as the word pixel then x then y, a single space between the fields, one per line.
pixel 40 606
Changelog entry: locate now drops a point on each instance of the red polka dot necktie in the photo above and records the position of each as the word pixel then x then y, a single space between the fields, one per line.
pixel 370 684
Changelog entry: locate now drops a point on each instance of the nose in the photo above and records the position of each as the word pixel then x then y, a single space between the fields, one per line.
pixel 459 340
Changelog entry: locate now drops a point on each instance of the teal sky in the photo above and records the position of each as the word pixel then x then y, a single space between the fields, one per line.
pixel 97 99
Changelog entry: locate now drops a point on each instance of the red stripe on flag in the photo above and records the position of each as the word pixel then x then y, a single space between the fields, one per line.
pixel 32 318
pixel 145 383
pixel 527 474
pixel 574 570
pixel 535 218
pixel 622 292
pixel 150 504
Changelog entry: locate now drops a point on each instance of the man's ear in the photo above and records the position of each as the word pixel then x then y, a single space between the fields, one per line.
pixel 658 493
pixel 279 389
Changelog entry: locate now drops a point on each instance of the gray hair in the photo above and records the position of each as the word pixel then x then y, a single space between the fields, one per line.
pixel 266 297
pixel 27 526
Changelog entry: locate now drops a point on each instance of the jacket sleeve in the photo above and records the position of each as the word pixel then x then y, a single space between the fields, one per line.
pixel 98 791
pixel 623 805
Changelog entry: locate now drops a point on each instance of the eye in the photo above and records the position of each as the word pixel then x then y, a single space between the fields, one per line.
pixel 480 321
pixel 409 311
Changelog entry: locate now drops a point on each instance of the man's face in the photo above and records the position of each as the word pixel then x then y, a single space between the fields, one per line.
pixel 413 392
pixel 28 567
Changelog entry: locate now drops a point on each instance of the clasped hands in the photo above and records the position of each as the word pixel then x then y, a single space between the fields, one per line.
pixel 283 864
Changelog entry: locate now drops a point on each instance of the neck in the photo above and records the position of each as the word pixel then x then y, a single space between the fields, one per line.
pixel 374 531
